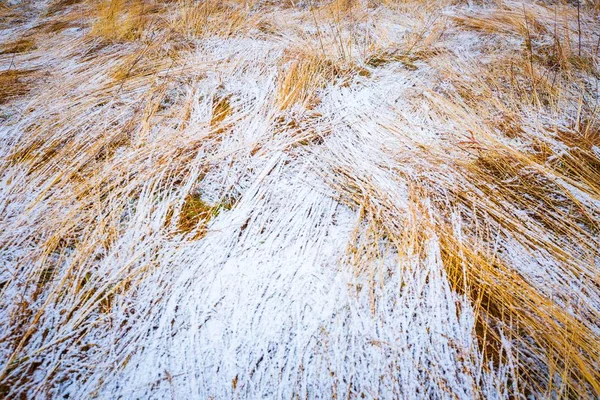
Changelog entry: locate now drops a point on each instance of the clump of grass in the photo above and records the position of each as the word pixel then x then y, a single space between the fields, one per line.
pixel 515 21
pixel 301 77
pixel 211 17
pixel 299 82
pixel 386 57
pixel 121 20
pixel 21 45
pixel 195 214
pixel 57 6
pixel 56 26
pixel 580 162
pixel 417 46
pixel 221 109
pixel 15 83
pixel 142 63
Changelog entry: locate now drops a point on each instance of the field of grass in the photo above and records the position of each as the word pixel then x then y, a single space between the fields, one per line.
pixel 345 199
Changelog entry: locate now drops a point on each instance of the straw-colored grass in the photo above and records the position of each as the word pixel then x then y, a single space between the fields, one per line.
pixel 339 199
pixel 18 46
pixel 122 20
pixel 15 83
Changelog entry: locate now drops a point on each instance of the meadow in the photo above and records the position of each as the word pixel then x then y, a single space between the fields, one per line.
pixel 225 199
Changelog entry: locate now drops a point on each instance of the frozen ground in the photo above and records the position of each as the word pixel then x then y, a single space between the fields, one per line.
pixel 250 200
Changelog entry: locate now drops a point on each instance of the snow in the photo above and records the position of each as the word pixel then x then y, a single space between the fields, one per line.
pixel 324 279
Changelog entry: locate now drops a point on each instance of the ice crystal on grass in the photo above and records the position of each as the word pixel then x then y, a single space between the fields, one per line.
pixel 341 199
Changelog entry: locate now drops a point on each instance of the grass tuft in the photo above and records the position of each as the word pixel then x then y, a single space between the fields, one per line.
pixel 22 45
pixel 15 83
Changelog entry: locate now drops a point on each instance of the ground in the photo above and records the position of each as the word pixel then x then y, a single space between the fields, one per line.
pixel 295 199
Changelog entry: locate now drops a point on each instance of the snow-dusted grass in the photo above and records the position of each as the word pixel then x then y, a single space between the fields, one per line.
pixel 351 199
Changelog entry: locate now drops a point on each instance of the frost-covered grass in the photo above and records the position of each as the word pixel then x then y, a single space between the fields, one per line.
pixel 286 199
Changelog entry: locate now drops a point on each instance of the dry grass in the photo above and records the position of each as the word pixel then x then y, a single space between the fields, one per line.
pixel 221 18
pixel 121 20
pixel 301 79
pixel 18 46
pixel 191 175
pixel 57 6
pixel 15 83
pixel 194 216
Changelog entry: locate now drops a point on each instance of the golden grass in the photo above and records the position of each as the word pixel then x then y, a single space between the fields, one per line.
pixel 300 80
pixel 121 20
pixel 194 215
pixel 211 17
pixel 506 303
pixel 499 180
pixel 18 46
pixel 517 165
pixel 15 83
pixel 221 109
pixel 530 185
pixel 57 6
